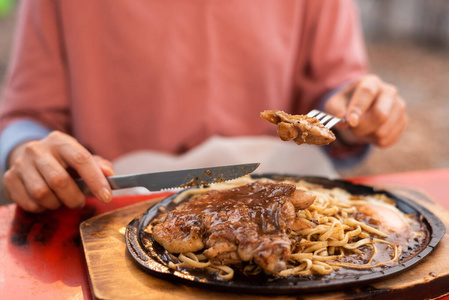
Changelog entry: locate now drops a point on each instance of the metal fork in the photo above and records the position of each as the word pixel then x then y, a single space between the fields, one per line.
pixel 328 121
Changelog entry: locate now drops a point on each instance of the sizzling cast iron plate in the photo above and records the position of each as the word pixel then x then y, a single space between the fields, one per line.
pixel 153 258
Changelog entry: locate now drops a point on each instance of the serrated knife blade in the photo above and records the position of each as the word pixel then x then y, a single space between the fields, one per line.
pixel 176 179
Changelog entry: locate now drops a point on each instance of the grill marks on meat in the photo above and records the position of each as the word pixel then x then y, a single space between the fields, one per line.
pixel 245 223
pixel 299 128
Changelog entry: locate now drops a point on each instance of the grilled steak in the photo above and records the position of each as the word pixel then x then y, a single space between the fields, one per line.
pixel 241 224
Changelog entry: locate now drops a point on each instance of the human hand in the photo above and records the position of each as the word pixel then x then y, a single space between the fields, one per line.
pixel 39 177
pixel 374 111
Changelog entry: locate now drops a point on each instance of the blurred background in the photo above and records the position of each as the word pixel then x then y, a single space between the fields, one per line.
pixel 408 46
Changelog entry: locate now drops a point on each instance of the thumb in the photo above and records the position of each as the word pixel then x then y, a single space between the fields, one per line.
pixel 363 96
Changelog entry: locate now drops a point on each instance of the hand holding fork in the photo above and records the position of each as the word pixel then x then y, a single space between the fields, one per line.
pixel 373 110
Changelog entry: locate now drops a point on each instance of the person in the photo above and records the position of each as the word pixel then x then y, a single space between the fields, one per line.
pixel 90 81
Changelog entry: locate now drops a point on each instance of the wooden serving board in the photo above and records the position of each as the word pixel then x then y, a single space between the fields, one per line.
pixel 113 273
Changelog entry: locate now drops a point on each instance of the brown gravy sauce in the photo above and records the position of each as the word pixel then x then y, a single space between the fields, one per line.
pixel 256 202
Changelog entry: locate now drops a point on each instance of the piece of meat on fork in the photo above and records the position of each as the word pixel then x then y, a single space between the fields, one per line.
pixel 299 128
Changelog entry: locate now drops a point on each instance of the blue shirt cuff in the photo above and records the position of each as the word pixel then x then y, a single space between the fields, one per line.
pixel 16 133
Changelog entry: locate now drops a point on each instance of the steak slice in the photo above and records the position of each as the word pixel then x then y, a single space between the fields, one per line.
pixel 299 128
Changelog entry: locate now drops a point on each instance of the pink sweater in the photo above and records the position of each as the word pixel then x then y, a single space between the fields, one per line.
pixel 166 75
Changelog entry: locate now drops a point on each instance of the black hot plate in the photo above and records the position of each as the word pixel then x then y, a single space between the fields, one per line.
pixel 153 258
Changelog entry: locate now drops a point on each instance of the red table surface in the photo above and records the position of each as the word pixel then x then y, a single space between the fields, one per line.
pixel 41 255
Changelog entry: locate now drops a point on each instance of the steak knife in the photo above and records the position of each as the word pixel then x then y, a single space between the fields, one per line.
pixel 176 179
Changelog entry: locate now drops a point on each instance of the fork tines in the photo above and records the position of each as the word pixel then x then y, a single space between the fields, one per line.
pixel 327 120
